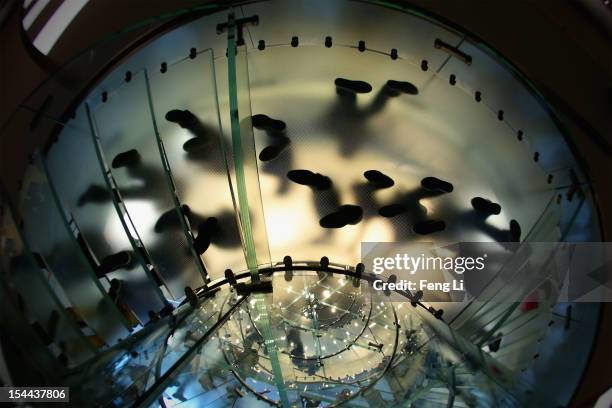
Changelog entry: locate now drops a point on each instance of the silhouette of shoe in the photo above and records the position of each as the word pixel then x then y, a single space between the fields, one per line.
pixel 346 214
pixel 116 261
pixel 392 210
pixel 209 226
pixel 310 179
pixel 168 220
pixel 435 184
pixel 401 87
pixel 378 179
pixel 183 118
pixel 515 231
pixel 206 232
pixel 357 87
pixel 485 207
pixel 264 122
pixel 94 194
pixel 428 227
pixel 201 244
pixel 126 159
pixel 274 150
pixel 197 144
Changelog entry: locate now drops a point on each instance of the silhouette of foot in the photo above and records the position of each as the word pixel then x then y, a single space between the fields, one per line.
pixel 116 261
pixel 428 227
pixel 356 87
pixel 398 87
pixel 310 179
pixel 274 150
pixel 94 194
pixel 378 179
pixel 126 159
pixel 264 122
pixel 391 210
pixel 183 118
pixel 515 231
pixel 485 207
pixel 435 184
pixel 346 214
pixel 170 219
pixel 206 232
pixel 197 144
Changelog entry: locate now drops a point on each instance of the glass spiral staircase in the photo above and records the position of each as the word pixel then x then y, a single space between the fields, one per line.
pixel 173 171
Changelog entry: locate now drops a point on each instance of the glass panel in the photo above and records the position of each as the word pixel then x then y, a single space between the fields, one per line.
pixel 86 64
pixel 341 137
pixel 472 317
pixel 136 364
pixel 252 221
pixel 532 255
pixel 191 342
pixel 503 90
pixel 408 378
pixel 400 135
pixel 347 23
pixel 195 154
pixel 128 142
pixel 244 155
pixel 43 308
pixel 18 324
pixel 178 213
pixel 48 234
pixel 518 328
pixel 485 373
pixel 204 378
pixel 376 352
pixel 83 190
pixel 336 338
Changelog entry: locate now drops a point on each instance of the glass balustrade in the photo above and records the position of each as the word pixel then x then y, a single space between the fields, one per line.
pixel 266 150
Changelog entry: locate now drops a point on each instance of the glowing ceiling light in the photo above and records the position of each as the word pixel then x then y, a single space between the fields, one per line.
pixel 141 213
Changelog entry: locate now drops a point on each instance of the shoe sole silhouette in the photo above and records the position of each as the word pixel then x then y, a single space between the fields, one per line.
pixel 378 179
pixel 357 87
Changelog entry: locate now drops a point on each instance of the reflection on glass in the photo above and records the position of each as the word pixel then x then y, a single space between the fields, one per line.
pixel 252 221
pixel 127 137
pixel 136 364
pixel 81 186
pixel 48 234
pixel 397 133
pixel 328 146
pixel 196 157
pixel 44 310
